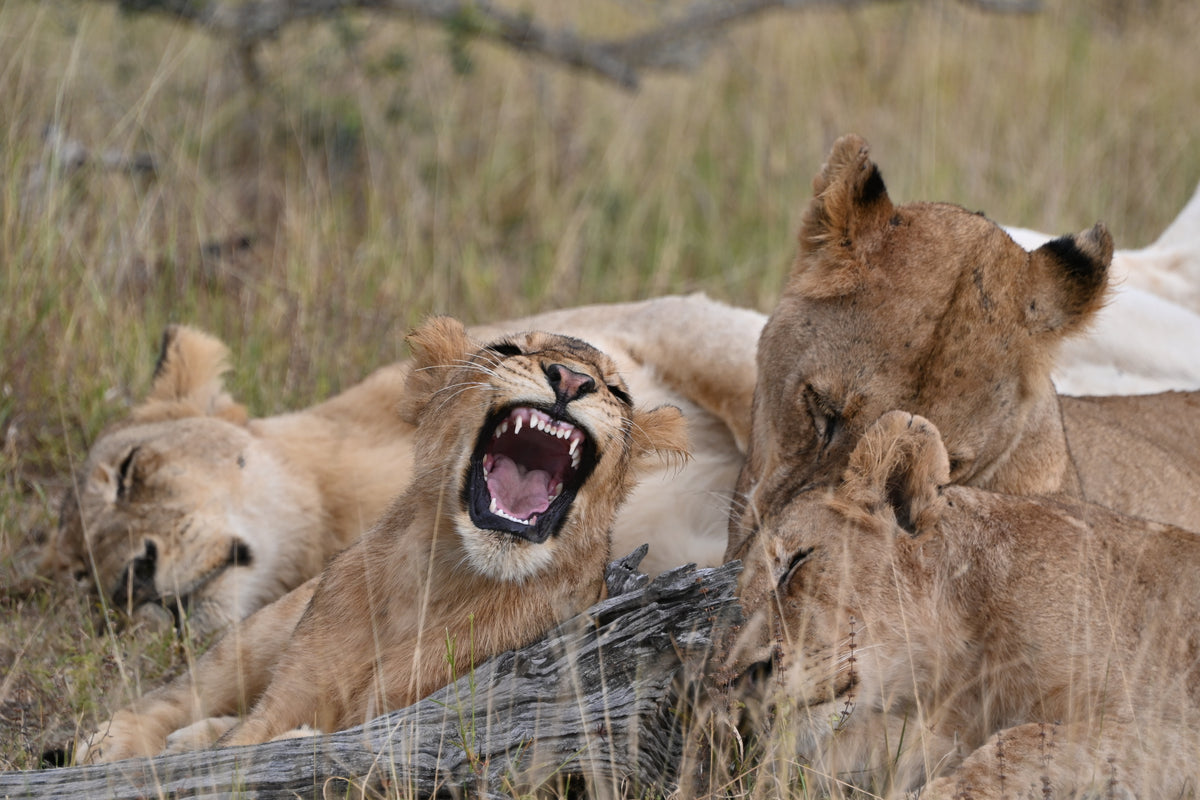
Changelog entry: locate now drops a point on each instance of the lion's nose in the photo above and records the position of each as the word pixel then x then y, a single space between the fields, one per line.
pixel 137 585
pixel 567 383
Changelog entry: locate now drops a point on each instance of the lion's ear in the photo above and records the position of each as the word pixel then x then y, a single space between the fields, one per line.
pixel 849 202
pixel 898 468
pixel 660 430
pixel 437 345
pixel 1069 278
pixel 189 379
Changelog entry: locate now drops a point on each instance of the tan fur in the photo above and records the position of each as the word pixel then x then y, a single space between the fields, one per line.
pixel 1006 646
pixel 934 309
pixel 206 487
pixel 372 634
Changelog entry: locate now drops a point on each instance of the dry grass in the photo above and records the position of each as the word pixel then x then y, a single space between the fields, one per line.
pixel 367 183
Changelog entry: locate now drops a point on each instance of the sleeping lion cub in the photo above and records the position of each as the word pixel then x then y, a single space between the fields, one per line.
pixel 984 645
pixel 523 451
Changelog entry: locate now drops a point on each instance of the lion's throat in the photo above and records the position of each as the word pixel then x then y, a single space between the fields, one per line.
pixel 517 491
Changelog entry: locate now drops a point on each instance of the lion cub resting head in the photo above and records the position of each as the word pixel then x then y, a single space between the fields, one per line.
pixel 989 644
pixel 523 451
pixel 190 505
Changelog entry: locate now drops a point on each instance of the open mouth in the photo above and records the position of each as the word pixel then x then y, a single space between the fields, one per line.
pixel 526 470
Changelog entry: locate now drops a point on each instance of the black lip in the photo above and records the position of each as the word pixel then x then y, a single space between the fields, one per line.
pixel 477 499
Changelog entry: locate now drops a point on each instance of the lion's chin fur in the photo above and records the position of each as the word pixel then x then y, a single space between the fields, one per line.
pixel 502 556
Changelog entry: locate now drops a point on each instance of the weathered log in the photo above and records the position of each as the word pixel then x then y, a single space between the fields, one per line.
pixel 599 701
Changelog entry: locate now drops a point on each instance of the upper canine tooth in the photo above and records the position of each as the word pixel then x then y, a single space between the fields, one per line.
pixel 574 446
pixel 517 424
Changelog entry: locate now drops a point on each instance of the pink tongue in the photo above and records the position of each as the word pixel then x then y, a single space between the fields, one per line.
pixel 519 492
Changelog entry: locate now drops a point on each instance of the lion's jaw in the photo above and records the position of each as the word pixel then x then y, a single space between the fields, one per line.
pixel 522 482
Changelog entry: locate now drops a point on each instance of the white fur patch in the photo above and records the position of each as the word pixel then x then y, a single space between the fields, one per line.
pixel 502 556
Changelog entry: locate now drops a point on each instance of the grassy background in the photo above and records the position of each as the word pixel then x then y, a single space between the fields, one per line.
pixel 369 180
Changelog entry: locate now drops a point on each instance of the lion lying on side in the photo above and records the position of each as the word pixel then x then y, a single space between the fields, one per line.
pixel 936 310
pixel 524 450
pixel 995 645
pixel 188 504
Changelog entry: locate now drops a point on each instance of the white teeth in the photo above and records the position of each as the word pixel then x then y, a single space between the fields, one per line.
pixel 575 461
pixel 574 447
pixel 517 424
pixel 511 518
pixel 492 508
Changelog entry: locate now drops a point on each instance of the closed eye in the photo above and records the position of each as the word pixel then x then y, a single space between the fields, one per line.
pixel 798 558
pixel 826 419
pixel 959 464
pixel 506 349
pixel 125 475
pixel 620 394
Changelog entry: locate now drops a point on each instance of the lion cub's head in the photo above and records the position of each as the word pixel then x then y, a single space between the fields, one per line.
pixel 181 506
pixel 525 440
pixel 836 586
pixel 926 307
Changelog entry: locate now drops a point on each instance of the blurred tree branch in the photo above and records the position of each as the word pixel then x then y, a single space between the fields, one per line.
pixel 676 43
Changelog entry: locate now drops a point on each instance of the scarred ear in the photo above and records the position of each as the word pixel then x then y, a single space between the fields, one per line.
pixel 1069 277
pixel 188 379
pixel 897 470
pixel 438 345
pixel 660 430
pixel 850 203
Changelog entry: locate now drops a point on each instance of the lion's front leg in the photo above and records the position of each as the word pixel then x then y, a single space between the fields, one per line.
pixel 226 680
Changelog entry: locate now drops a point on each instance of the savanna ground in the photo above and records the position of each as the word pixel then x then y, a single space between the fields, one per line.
pixel 376 175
